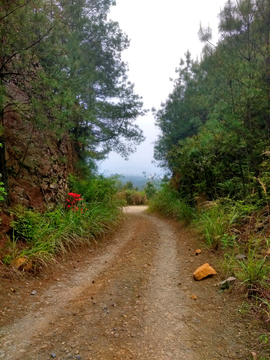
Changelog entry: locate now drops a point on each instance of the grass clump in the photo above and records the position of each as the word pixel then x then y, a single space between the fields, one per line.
pixel 168 204
pixel 41 236
pixel 214 224
pixel 133 197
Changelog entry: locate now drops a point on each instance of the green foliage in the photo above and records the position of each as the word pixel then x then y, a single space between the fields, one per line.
pixel 132 197
pixel 96 188
pixel 167 203
pixel 227 240
pixel 61 71
pixel 214 223
pixel 150 190
pixel 2 191
pixel 53 232
pixel 128 186
pixel 214 125
pixel 254 271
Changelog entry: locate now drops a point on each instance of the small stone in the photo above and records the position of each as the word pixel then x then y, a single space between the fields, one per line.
pixel 22 264
pixel 229 280
pixel 18 262
pixel 193 297
pixel 254 355
pixel 34 292
pixel 226 283
pixel 198 251
pixel 240 257
pixel 53 355
pixel 204 271
pixel 78 357
pixel 259 226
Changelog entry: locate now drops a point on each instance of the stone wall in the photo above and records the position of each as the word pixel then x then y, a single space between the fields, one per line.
pixel 38 164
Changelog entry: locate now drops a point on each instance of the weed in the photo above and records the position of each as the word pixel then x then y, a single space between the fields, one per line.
pixel 264 339
pixel 253 270
pixel 228 240
pixel 245 308
pixel 54 232
pixel 168 204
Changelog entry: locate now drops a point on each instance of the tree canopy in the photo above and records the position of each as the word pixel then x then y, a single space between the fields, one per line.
pixel 215 124
pixel 61 70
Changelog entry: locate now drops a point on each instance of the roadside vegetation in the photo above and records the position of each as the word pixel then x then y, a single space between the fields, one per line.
pixel 133 196
pixel 215 143
pixel 90 211
pixel 238 233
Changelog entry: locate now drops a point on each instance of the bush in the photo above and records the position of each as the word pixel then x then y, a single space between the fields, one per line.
pixel 214 224
pixel 167 203
pixel 133 197
pixel 53 232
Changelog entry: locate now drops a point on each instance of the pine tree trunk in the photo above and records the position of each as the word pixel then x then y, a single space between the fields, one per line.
pixel 3 169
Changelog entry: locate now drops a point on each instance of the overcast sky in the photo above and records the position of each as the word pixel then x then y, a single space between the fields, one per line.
pixel 160 32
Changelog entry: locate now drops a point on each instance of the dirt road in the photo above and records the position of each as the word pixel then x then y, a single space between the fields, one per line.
pixel 130 298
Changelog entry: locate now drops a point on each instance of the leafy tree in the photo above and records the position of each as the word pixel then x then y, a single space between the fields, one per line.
pixel 61 69
pixel 229 92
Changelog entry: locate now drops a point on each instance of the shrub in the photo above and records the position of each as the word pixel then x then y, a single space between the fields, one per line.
pixel 132 197
pixel 53 232
pixel 167 203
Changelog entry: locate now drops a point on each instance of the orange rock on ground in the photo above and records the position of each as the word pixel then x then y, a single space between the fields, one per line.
pixel 198 251
pixel 22 263
pixel 204 271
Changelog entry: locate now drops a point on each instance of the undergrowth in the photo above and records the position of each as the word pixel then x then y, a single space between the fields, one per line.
pixel 168 204
pixel 39 237
pixel 238 231
pixel 132 197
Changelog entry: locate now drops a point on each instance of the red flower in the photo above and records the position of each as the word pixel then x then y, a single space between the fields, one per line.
pixel 74 195
pixel 68 206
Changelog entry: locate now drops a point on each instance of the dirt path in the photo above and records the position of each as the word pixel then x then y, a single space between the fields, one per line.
pixel 128 299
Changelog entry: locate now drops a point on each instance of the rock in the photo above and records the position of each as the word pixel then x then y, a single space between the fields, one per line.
pixel 34 292
pixel 53 355
pixel 193 297
pixel 240 257
pixel 54 186
pixel 259 226
pixel 5 223
pixel 254 355
pixel 204 271
pixel 18 262
pixel 226 283
pixel 198 251
pixel 22 264
pixel 78 357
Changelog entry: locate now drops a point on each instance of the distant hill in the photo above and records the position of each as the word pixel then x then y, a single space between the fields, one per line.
pixel 138 181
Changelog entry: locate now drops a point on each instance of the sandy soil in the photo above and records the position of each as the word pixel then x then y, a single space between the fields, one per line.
pixel 129 298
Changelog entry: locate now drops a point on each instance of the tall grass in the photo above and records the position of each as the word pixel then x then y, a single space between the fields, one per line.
pixel 132 197
pixel 40 236
pixel 167 203
pixel 55 232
